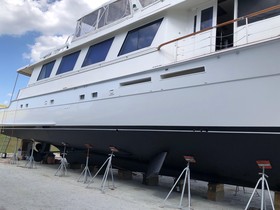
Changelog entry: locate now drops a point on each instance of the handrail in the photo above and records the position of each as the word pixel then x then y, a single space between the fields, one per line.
pixel 222 24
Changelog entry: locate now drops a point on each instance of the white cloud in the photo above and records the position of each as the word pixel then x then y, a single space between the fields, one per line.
pixel 55 21
pixel 43 44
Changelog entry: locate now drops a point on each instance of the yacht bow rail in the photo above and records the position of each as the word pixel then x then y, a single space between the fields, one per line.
pixel 246 26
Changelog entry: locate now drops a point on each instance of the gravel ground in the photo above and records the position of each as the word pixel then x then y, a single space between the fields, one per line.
pixel 38 189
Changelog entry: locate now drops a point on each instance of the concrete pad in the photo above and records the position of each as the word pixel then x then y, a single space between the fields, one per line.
pixel 33 189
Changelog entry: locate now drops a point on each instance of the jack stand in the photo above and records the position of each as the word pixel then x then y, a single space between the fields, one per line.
pixel 263 164
pixel 31 162
pixel 109 169
pixel 62 169
pixel 15 157
pixel 187 172
pixel 237 190
pixel 86 172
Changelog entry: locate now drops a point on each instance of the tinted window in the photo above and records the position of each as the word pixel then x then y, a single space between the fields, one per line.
pixel 140 38
pixel 206 18
pixel 46 70
pixel 68 62
pixel 97 52
pixel 246 7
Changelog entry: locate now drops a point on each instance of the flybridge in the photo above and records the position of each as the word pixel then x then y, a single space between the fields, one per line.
pixel 108 14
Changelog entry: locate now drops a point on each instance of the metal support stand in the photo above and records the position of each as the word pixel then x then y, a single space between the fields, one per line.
pixel 31 162
pixel 109 169
pixel 62 169
pixel 14 159
pixel 187 172
pixel 86 172
pixel 263 164
pixel 237 190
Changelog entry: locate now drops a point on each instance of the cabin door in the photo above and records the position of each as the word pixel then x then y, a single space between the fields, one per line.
pixel 205 18
pixel 225 12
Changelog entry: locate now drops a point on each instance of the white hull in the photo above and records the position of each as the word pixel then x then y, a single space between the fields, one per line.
pixel 242 86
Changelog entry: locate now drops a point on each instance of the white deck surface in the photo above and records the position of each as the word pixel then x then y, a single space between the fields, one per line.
pixel 39 189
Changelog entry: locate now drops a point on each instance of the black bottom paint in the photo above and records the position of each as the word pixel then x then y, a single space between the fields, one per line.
pixel 223 155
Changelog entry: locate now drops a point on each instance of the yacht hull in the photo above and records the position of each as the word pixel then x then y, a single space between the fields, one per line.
pixel 223 155
pixel 226 116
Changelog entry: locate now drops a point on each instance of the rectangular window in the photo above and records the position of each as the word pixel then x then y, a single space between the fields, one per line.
pixel 145 3
pixel 68 62
pixel 97 52
pixel 246 7
pixel 140 38
pixel 82 97
pixel 46 70
pixel 94 95
pixel 206 18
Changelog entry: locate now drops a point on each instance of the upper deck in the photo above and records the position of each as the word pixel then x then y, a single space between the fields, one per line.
pixel 126 37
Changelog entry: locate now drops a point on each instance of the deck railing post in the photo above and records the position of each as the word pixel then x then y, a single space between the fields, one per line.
pixel 247 32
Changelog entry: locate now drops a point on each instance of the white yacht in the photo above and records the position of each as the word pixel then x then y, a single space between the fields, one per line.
pixel 160 79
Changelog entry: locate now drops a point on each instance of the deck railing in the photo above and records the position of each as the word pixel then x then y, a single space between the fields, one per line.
pixel 243 34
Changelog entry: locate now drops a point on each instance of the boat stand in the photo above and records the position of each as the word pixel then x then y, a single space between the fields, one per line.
pixel 86 172
pixel 62 169
pixel 263 164
pixel 31 162
pixel 109 169
pixel 14 159
pixel 187 173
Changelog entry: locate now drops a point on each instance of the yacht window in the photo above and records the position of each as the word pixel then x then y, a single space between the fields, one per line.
pixel 246 7
pixel 140 38
pixel 82 97
pixel 94 95
pixel 206 18
pixel 145 3
pixel 97 52
pixel 118 10
pixel 46 70
pixel 68 62
pixel 103 16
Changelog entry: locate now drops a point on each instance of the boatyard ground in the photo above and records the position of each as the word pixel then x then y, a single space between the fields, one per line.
pixel 33 189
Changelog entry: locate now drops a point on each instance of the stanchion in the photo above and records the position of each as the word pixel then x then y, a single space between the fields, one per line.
pixel 86 172
pixel 31 162
pixel 263 164
pixel 109 169
pixel 62 169
pixel 187 172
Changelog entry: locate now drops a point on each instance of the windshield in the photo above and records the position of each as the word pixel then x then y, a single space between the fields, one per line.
pixel 103 16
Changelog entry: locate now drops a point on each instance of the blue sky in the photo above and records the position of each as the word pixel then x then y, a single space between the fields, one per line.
pixel 12 50
pixel 29 27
